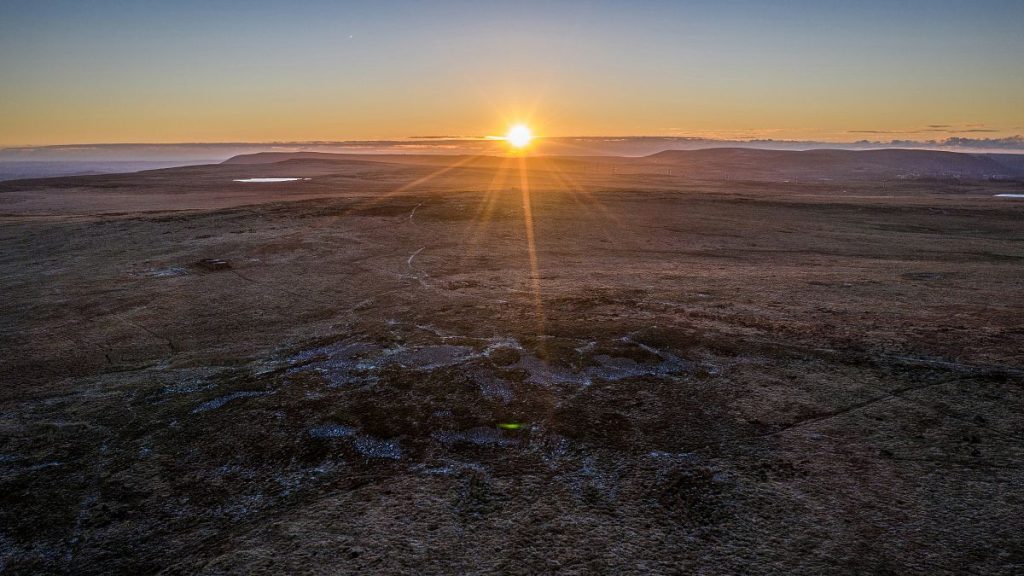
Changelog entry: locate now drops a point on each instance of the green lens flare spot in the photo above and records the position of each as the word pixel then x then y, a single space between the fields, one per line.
pixel 510 425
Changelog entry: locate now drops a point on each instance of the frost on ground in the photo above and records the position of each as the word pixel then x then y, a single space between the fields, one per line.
pixel 684 376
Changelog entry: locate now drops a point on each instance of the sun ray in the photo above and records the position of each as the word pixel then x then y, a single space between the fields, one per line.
pixel 362 205
pixel 578 190
pixel 585 205
pixel 417 182
pixel 593 209
pixel 531 248
pixel 482 218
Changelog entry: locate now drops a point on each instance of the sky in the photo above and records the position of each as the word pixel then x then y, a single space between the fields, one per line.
pixel 106 71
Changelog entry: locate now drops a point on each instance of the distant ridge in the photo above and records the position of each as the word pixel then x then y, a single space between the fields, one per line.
pixel 467 160
pixel 271 157
pixel 838 164
pixel 730 163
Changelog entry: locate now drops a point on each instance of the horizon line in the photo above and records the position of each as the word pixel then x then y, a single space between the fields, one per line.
pixel 1016 139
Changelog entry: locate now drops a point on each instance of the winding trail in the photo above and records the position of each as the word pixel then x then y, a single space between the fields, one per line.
pixel 413 255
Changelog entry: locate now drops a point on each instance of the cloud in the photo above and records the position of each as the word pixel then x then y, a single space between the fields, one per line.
pixel 443 137
pixel 933 128
pixel 1010 142
pixel 913 131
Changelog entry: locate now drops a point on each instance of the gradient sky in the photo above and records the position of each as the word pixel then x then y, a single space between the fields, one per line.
pixel 207 71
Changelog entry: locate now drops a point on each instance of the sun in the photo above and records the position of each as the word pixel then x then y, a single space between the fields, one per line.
pixel 519 136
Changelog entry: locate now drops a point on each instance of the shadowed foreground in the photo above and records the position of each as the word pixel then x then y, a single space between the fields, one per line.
pixel 401 371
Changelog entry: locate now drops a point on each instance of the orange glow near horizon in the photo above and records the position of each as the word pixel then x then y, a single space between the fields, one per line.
pixel 231 72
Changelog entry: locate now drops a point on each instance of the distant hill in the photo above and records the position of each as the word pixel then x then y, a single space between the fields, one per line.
pixel 469 161
pixel 18 169
pixel 271 157
pixel 753 164
pixel 1013 162
pixel 721 163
